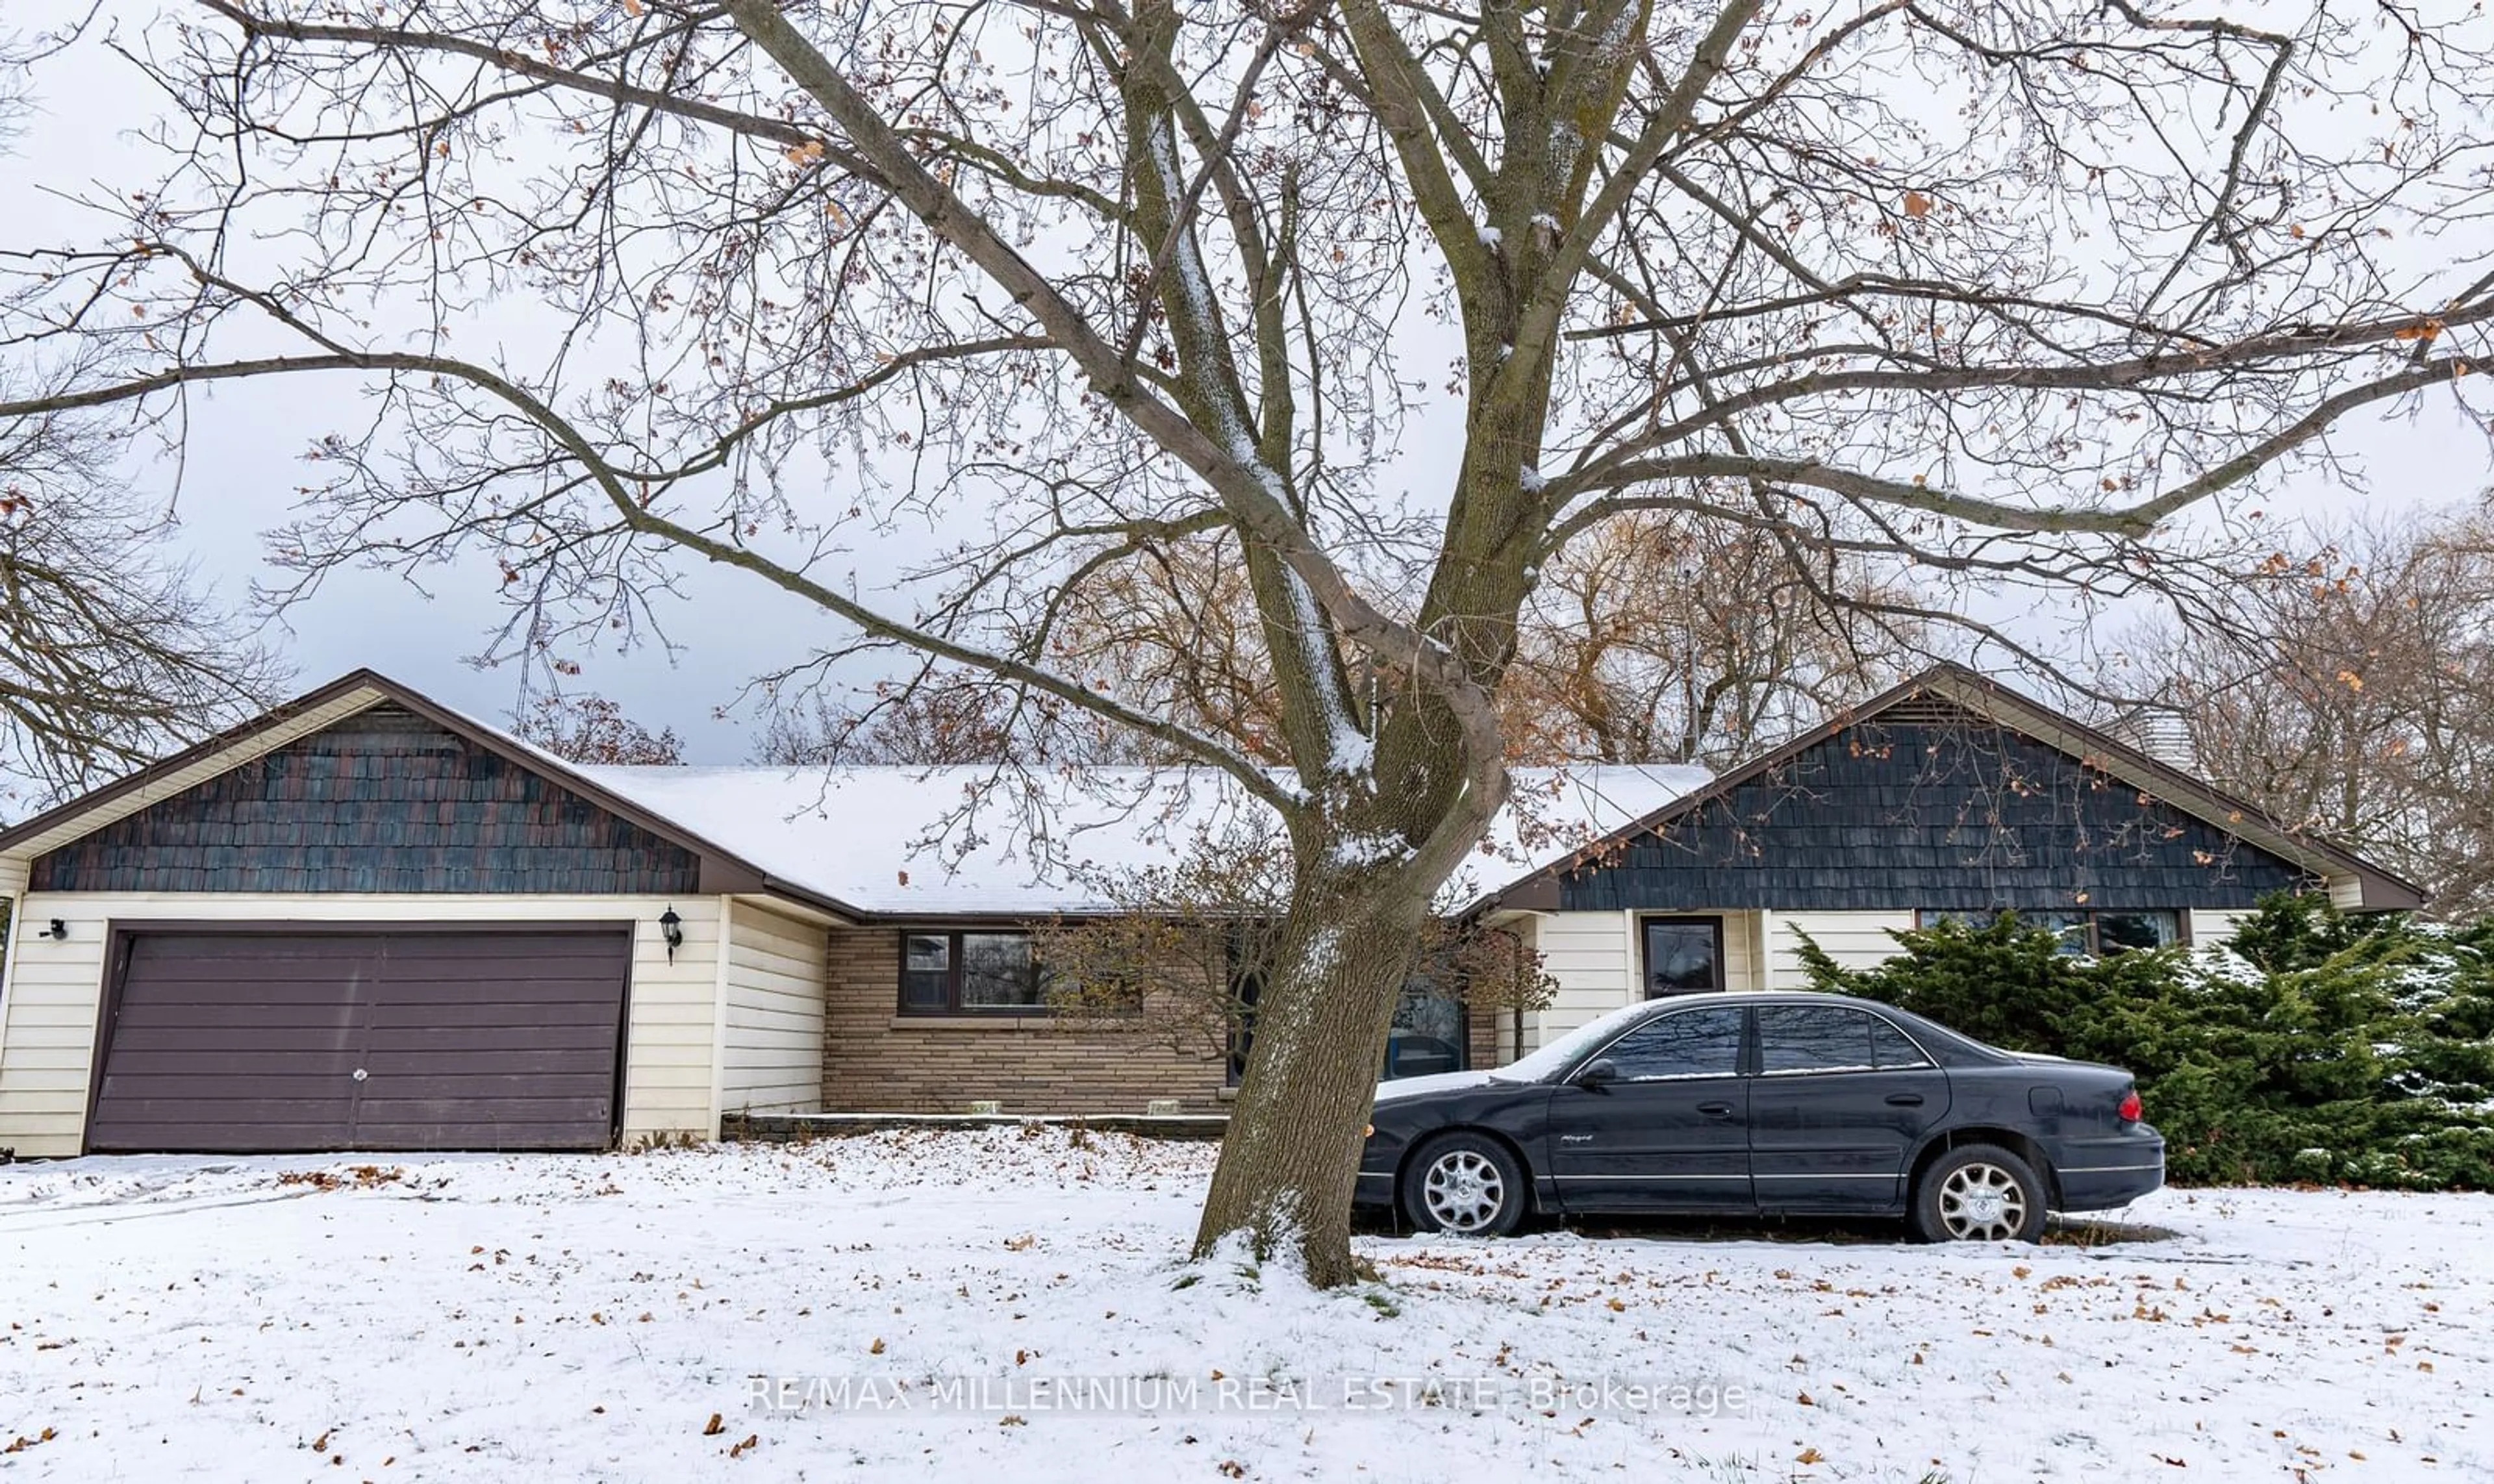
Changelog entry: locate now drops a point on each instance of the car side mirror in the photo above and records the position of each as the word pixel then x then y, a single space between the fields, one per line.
pixel 1598 1073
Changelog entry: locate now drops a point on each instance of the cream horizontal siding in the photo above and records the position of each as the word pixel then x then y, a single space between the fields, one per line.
pixel 770 1043
pixel 1857 940
pixel 56 987
pixel 1752 927
pixel 2213 927
pixel 1742 956
pixel 1589 956
pixel 1597 959
pixel 52 991
pixel 2346 893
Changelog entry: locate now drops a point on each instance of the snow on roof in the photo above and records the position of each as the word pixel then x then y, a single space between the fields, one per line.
pixel 950 841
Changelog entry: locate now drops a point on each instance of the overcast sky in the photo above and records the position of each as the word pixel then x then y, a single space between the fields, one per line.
pixel 242 469
pixel 243 465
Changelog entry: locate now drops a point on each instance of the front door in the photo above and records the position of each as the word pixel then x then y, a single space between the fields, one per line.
pixel 1669 1131
pixel 1841 1099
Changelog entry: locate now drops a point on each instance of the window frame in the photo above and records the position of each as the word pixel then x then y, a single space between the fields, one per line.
pixel 953 964
pixel 2090 943
pixel 1644 954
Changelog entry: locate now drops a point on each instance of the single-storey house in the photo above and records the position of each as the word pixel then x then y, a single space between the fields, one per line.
pixel 366 920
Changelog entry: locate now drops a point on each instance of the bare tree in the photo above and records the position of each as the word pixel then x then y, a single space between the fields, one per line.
pixel 2357 700
pixel 951 722
pixel 1175 627
pixel 1664 638
pixel 1185 947
pixel 1660 636
pixel 939 718
pixel 1998 287
pixel 109 651
pixel 593 729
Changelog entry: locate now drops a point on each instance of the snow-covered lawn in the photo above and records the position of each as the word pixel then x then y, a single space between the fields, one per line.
pixel 586 1318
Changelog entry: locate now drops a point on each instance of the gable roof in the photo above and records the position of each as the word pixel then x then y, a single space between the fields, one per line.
pixel 723 870
pixel 895 843
pixel 867 843
pixel 2367 886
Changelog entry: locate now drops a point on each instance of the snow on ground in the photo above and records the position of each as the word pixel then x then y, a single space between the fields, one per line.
pixel 585 1318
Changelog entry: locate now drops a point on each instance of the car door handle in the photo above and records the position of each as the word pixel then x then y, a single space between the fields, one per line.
pixel 1905 1100
pixel 1716 1109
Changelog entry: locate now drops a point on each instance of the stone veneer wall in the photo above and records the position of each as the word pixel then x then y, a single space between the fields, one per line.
pixel 878 1060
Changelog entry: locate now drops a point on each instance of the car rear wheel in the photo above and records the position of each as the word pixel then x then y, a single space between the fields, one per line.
pixel 1980 1193
pixel 1466 1185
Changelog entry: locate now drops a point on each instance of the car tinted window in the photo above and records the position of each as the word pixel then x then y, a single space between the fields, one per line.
pixel 1829 1038
pixel 1893 1047
pixel 1691 1043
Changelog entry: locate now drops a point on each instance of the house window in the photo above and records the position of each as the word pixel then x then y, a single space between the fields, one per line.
pixel 1682 955
pixel 2080 932
pixel 968 973
pixel 1427 1034
pixel 1247 984
pixel 2119 930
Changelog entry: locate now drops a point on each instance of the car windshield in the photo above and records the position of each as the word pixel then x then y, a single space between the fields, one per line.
pixel 1559 1055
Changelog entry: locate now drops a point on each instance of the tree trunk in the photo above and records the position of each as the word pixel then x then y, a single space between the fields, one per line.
pixel 1292 1153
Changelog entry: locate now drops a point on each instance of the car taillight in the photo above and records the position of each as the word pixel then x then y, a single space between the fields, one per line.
pixel 2130 1109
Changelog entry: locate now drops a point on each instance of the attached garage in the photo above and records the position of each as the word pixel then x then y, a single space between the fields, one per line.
pixel 365 922
pixel 434 1036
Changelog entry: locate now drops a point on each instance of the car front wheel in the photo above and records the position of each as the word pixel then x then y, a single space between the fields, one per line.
pixel 1464 1184
pixel 1979 1193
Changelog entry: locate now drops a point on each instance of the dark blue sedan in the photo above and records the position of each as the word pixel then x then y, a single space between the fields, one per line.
pixel 1737 1105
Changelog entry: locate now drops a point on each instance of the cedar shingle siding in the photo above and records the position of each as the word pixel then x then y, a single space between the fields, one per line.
pixel 1932 809
pixel 381 801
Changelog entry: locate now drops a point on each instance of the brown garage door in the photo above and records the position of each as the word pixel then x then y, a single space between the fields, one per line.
pixel 457 1039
